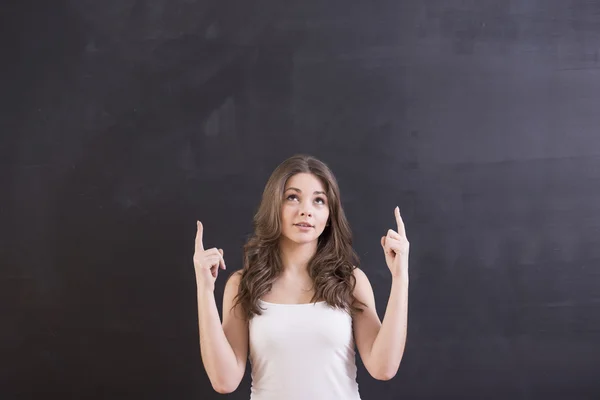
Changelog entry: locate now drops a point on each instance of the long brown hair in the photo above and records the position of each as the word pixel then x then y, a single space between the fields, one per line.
pixel 331 268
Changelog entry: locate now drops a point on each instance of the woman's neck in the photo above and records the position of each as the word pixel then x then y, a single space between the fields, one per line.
pixel 295 257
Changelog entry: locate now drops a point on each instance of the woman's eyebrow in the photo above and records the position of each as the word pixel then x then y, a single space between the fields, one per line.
pixel 300 191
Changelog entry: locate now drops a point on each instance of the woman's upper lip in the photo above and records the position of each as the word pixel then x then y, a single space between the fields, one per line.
pixel 304 223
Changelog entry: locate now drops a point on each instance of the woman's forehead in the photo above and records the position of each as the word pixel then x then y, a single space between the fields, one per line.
pixel 304 182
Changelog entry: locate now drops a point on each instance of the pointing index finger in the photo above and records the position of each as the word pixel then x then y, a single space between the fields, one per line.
pixel 199 235
pixel 401 229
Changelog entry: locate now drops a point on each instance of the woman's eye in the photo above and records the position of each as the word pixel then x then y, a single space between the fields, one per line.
pixel 318 199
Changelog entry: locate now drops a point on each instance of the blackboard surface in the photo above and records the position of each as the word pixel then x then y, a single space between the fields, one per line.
pixel 125 121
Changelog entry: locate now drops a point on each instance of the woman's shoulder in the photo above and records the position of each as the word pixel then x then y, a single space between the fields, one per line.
pixel 233 281
pixel 362 290
pixel 235 277
pixel 361 278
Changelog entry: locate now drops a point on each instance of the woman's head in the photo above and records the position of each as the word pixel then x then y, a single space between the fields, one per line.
pixel 304 210
pixel 301 189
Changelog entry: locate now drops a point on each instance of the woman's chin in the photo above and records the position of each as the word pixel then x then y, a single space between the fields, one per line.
pixel 301 239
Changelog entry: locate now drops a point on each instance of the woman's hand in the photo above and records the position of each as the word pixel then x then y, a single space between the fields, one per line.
pixel 206 262
pixel 396 247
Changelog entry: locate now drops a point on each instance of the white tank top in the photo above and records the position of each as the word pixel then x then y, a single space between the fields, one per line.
pixel 302 351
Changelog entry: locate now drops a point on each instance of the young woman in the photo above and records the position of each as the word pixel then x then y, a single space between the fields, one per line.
pixel 300 304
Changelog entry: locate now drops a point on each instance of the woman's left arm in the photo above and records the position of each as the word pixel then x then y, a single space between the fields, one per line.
pixel 381 344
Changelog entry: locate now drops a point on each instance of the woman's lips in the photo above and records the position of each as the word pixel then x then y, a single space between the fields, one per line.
pixel 303 227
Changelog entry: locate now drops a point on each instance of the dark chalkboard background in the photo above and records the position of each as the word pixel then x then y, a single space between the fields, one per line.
pixel 125 121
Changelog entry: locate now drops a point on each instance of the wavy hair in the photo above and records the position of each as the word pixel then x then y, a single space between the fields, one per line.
pixel 330 269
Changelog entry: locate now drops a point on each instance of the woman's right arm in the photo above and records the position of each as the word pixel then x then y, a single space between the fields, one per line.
pixel 224 347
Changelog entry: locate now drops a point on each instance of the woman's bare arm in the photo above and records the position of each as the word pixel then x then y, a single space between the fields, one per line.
pixel 224 347
pixel 381 345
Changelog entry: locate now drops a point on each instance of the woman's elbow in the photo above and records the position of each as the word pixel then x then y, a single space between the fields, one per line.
pixel 222 389
pixel 385 375
pixel 225 387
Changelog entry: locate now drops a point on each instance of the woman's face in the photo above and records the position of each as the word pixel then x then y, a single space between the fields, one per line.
pixel 304 202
